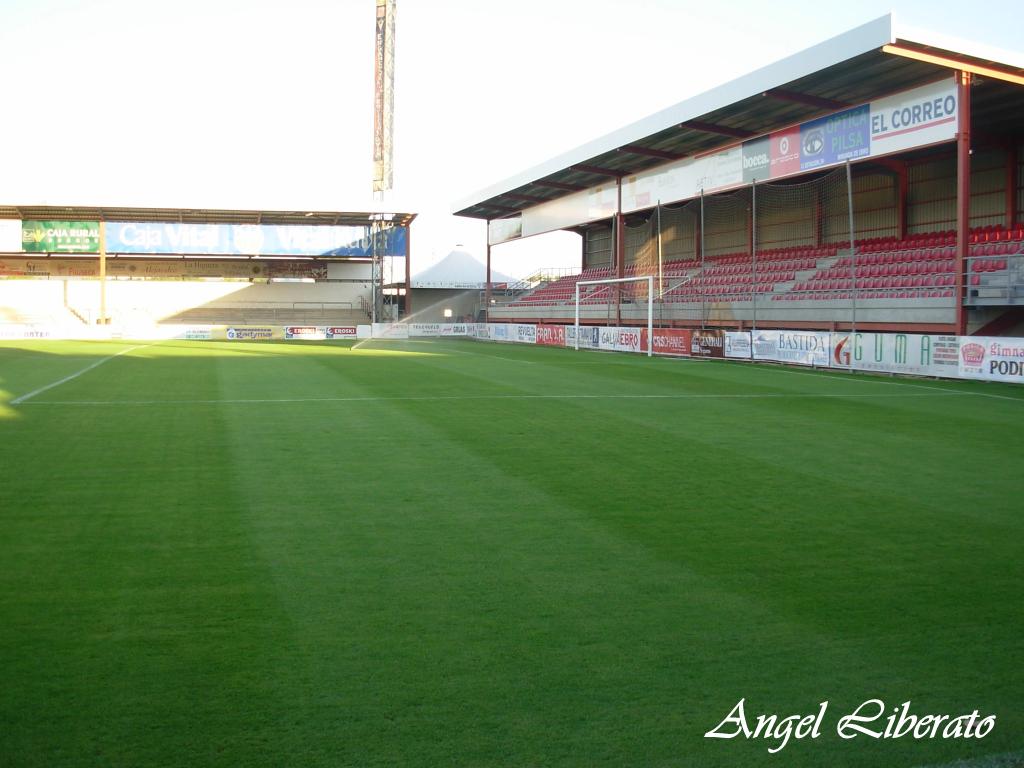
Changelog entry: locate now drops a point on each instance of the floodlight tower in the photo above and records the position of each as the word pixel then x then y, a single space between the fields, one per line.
pixel 383 136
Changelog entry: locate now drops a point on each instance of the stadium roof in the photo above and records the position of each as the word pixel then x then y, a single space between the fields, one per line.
pixel 199 215
pixel 873 60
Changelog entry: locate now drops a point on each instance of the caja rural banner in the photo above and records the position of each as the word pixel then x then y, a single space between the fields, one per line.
pixel 60 236
pixel 799 347
pixel 910 353
pixel 991 359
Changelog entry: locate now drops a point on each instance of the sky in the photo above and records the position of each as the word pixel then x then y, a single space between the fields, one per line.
pixel 268 105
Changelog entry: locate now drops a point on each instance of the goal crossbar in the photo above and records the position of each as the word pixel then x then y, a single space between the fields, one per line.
pixel 649 279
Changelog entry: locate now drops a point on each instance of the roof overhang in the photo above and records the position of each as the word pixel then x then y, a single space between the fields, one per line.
pixel 202 216
pixel 866 63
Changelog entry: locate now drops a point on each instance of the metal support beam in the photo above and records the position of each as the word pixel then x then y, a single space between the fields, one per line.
pixel 597 170
pixel 721 130
pixel 963 193
pixel 661 154
pixel 527 198
pixel 963 67
pixel 794 97
pixel 559 185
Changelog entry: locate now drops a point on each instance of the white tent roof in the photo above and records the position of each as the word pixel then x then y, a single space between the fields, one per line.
pixel 458 269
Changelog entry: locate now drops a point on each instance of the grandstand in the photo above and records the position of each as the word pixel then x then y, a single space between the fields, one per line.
pixel 874 181
pixel 141 267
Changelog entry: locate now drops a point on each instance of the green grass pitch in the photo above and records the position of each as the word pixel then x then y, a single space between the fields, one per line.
pixel 448 553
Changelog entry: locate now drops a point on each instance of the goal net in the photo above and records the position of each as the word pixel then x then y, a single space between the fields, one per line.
pixel 615 302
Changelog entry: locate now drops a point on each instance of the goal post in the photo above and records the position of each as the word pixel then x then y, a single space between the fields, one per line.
pixel 647 280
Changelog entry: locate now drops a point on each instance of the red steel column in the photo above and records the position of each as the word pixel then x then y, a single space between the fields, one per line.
pixel 1012 180
pixel 620 252
pixel 487 287
pixel 963 194
pixel 902 192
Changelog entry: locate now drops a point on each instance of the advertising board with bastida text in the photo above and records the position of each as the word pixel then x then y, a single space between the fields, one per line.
pixel 983 358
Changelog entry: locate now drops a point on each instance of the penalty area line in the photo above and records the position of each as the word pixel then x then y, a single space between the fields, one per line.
pixel 26 397
pixel 458 398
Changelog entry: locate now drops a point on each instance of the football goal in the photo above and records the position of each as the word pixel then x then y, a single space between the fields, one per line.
pixel 632 297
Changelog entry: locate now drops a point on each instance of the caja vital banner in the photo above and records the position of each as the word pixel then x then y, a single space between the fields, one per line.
pixel 920 354
pixel 252 239
pixel 991 359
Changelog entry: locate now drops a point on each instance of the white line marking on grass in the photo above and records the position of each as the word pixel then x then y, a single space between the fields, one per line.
pixel 895 383
pixel 385 399
pixel 459 351
pixel 871 377
pixel 66 379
